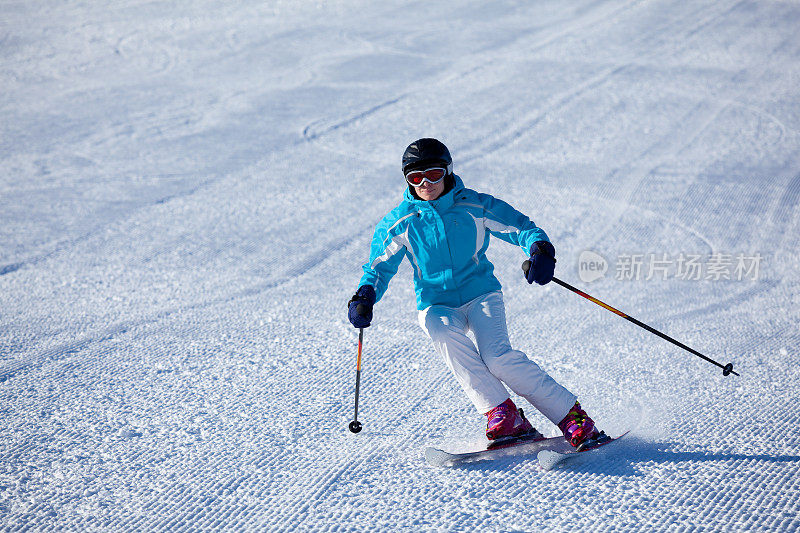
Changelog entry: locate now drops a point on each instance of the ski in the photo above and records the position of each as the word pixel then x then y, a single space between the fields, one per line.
pixel 549 459
pixel 525 445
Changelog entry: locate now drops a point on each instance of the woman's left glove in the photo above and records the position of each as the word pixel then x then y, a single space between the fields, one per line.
pixel 359 308
pixel 542 263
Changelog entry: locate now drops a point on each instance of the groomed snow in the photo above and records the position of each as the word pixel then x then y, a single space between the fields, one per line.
pixel 188 190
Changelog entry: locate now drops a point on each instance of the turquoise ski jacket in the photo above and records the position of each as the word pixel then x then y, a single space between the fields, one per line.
pixel 445 241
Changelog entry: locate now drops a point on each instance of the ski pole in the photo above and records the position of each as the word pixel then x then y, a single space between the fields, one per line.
pixel 726 369
pixel 355 425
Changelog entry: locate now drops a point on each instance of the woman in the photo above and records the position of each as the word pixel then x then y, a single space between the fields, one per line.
pixel 443 229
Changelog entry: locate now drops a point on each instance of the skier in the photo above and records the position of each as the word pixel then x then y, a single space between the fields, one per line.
pixel 443 228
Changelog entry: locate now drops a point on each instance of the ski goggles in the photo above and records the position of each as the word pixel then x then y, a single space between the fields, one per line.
pixel 431 175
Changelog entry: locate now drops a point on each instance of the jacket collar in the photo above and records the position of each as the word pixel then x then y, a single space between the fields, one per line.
pixel 442 203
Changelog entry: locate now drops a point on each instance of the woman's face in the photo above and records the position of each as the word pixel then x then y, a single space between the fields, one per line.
pixel 430 191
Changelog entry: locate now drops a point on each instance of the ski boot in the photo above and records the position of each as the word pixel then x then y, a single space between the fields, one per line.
pixel 505 423
pixel 578 428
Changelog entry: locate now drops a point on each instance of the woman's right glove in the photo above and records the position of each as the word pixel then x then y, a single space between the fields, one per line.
pixel 359 308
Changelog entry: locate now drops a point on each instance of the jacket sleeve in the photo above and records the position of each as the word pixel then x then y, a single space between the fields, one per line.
pixel 386 254
pixel 508 224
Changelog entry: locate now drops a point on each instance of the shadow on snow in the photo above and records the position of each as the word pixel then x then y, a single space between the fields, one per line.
pixel 626 458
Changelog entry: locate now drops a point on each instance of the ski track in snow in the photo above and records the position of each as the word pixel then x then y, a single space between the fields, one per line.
pixel 188 192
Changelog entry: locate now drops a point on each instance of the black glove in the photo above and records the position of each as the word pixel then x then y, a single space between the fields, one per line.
pixel 542 263
pixel 359 308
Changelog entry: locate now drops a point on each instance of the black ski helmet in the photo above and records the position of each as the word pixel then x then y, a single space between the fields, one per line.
pixel 424 153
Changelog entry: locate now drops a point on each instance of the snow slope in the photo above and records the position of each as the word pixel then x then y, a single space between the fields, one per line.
pixel 188 190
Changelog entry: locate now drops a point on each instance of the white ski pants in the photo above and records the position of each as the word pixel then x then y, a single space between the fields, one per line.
pixel 482 371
